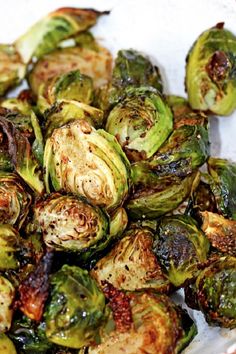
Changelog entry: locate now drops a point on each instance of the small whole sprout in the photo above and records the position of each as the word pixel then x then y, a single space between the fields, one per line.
pixel 141 123
pixel 7 293
pixel 180 248
pixel 47 33
pixel 220 232
pixel 95 64
pixel 155 196
pixel 101 174
pixel 131 264
pixel 70 86
pixel 6 345
pixel 12 70
pixel 67 111
pixel 14 199
pixel 9 246
pixel 76 309
pixel 223 173
pixel 70 223
pixel 157 325
pixel 216 292
pixel 210 71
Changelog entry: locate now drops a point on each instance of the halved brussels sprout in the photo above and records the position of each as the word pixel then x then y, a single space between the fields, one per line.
pixel 70 223
pixel 210 71
pixel 7 293
pixel 48 32
pixel 88 162
pixel 141 123
pixel 29 336
pixel 183 114
pixel 14 200
pixel 223 173
pixel 216 292
pixel 131 264
pixel 220 232
pixel 158 326
pixel 76 309
pixel 33 290
pixel 67 111
pixel 70 86
pixel 12 70
pixel 9 245
pixel 186 149
pixel 95 64
pixel 21 155
pixel 21 114
pixel 6 345
pixel 180 247
pixel 155 196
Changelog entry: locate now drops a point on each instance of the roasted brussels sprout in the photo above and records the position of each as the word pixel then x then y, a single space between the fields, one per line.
pixel 70 86
pixel 6 345
pixel 186 149
pixel 76 309
pixel 180 247
pixel 155 196
pixel 183 114
pixel 12 70
pixel 220 232
pixel 70 223
pixel 141 123
pixel 216 292
pixel 7 293
pixel 24 119
pixel 102 175
pixel 67 111
pixel 155 326
pixel 131 264
pixel 20 151
pixel 14 200
pixel 210 71
pixel 9 245
pixel 48 32
pixel 29 337
pixel 95 64
pixel 223 173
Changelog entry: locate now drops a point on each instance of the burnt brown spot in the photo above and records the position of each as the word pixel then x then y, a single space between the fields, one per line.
pixel 218 66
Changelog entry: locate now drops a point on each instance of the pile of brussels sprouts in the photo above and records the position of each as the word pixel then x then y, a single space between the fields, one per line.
pixel 104 209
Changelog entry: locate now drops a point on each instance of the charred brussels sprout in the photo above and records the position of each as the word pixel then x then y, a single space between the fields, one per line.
pixel 102 175
pixel 67 111
pixel 70 86
pixel 131 264
pixel 220 232
pixel 132 68
pixel 186 149
pixel 14 199
pixel 155 196
pixel 210 71
pixel 70 223
pixel 29 337
pixel 6 345
pixel 223 173
pixel 141 123
pixel 156 325
pixel 9 245
pixel 216 292
pixel 46 34
pixel 7 293
pixel 12 70
pixel 76 309
pixel 180 247
pixel 95 64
